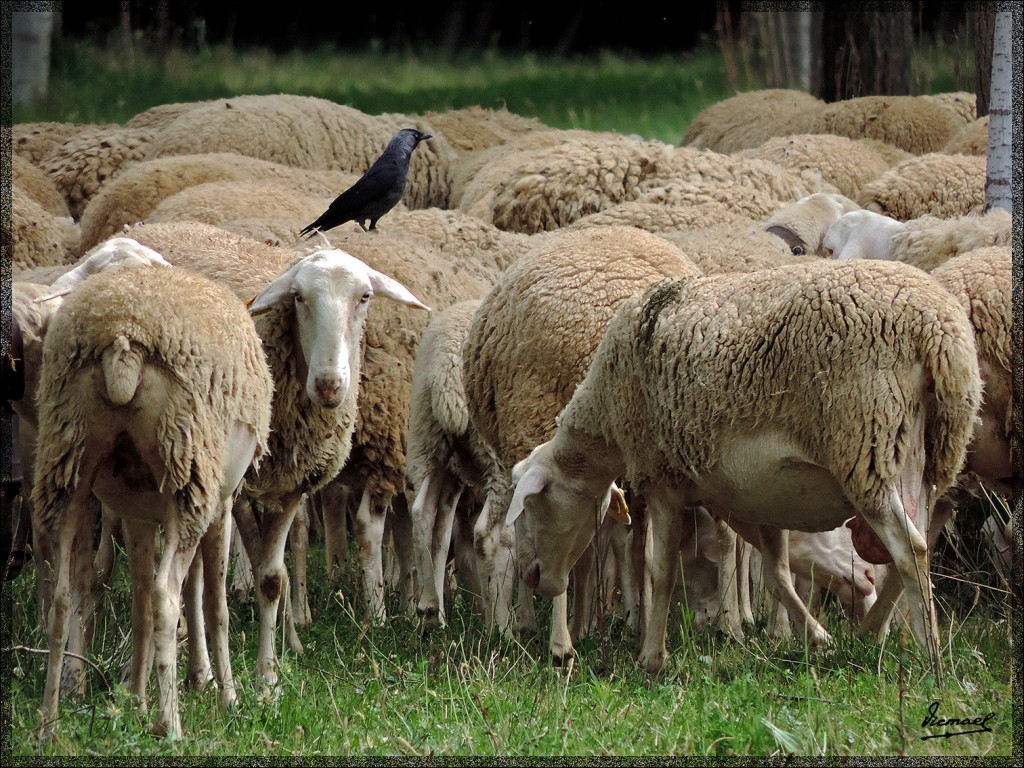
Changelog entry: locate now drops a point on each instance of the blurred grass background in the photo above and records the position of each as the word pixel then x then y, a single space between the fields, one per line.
pixel 654 98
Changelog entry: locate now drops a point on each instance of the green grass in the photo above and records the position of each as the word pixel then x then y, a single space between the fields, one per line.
pixel 652 98
pixel 459 691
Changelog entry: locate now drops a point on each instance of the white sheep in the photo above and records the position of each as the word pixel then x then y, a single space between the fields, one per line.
pixel 972 139
pixel 804 223
pixel 529 346
pixel 154 395
pixel 925 242
pixel 938 184
pixel 311 314
pixel 702 392
pixel 751 118
pixel 846 163
pixel 915 124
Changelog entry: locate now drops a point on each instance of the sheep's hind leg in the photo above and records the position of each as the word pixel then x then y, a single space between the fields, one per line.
pixel 665 525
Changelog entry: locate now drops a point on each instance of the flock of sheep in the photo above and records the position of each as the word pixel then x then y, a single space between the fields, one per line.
pixel 785 341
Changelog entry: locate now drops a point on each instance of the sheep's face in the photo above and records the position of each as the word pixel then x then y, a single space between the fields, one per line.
pixel 330 291
pixel 861 234
pixel 556 515
pixel 331 301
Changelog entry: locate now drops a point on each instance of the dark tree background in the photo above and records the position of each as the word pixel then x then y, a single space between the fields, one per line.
pixel 456 26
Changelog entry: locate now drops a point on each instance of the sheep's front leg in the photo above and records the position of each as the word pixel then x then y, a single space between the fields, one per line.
pixel 216 545
pixel 333 502
pixel 775 555
pixel 369 527
pixel 266 552
pixel 140 546
pixel 170 577
pixel 199 670
pixel 494 544
pixel 666 532
pixel 584 585
pixel 728 586
pixel 299 541
pixel 560 641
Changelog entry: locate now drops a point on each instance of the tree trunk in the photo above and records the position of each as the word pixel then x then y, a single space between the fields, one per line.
pixel 865 51
pixel 998 175
pixel 30 55
pixel 984 18
pixel 785 49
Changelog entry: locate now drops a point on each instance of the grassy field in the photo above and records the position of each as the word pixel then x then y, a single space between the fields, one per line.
pixel 653 98
pixel 459 691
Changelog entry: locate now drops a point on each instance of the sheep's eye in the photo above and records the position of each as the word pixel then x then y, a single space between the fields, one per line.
pixel 798 250
pixel 365 298
pixel 298 298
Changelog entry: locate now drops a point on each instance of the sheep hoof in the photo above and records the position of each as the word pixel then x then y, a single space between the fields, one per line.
pixel 228 699
pixel 561 659
pixel 653 663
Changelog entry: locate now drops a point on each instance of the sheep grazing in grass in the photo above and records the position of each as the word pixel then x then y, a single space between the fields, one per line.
pixel 154 395
pixel 529 346
pixel 935 184
pixel 311 314
pixel 701 392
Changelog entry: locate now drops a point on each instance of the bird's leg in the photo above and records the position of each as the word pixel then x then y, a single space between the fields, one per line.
pixel 362 226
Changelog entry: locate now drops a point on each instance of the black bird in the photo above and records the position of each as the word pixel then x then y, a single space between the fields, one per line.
pixel 377 191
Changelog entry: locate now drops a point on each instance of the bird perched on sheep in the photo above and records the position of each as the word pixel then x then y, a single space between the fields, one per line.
pixel 138 189
pixel 154 395
pixel 307 132
pixel 529 346
pixel 686 399
pixel 936 183
pixel 377 191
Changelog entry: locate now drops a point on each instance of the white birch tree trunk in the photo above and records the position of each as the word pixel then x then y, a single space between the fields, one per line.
pixel 999 172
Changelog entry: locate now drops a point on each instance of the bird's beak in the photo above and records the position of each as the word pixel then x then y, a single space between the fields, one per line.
pixel 426 136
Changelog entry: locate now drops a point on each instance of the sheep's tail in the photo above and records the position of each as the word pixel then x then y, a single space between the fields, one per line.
pixel 122 370
pixel 951 360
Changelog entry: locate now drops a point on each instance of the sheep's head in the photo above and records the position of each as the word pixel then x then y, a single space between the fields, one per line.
pixel 113 254
pixel 556 512
pixel 861 234
pixel 330 292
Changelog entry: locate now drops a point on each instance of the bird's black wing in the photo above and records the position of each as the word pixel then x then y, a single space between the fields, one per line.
pixel 373 185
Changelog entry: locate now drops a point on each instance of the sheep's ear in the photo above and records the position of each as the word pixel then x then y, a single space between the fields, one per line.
pixel 66 283
pixel 392 289
pixel 276 290
pixel 617 506
pixel 532 481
